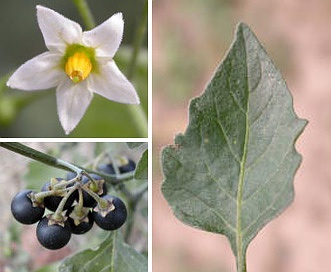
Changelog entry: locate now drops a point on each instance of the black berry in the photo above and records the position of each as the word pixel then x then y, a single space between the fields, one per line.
pixel 111 219
pixel 53 236
pixel 129 167
pixel 106 168
pixel 71 175
pixel 88 200
pixel 52 202
pixel 85 222
pixel 23 209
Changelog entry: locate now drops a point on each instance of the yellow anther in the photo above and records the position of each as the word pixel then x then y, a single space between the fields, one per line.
pixel 78 67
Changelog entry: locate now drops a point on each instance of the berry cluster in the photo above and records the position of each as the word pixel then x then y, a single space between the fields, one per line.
pixel 76 202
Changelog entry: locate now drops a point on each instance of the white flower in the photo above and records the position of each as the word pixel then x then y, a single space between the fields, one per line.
pixel 78 63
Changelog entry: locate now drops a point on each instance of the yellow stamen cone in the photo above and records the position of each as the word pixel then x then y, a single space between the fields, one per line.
pixel 78 67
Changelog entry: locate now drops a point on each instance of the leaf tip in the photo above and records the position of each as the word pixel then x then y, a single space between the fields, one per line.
pixel 241 27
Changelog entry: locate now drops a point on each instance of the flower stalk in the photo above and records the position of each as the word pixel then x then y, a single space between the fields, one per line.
pixel 85 13
pixel 59 210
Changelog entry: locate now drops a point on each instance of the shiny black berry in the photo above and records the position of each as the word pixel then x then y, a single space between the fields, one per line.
pixel 101 190
pixel 110 219
pixel 24 211
pixel 106 168
pixel 71 175
pixel 129 167
pixel 52 202
pixel 53 236
pixel 80 224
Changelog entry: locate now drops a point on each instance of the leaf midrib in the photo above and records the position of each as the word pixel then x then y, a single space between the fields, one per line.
pixel 241 262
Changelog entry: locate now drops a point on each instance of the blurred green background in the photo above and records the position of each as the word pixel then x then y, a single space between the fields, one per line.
pixel 25 114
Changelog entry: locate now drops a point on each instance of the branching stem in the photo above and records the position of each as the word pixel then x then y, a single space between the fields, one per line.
pixel 61 164
pixel 59 209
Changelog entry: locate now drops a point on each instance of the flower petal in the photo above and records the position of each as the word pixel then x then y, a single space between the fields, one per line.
pixel 72 102
pixel 112 84
pixel 107 37
pixel 41 72
pixel 57 30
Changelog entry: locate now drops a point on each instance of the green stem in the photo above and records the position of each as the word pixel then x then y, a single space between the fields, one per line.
pixel 133 199
pixel 59 209
pixel 101 202
pixel 41 195
pixel 129 224
pixel 85 13
pixel 140 33
pixel 138 116
pixel 94 184
pixel 136 111
pixel 34 154
pixel 80 199
pixel 70 166
pixel 66 183
pixel 61 164
pixel 140 192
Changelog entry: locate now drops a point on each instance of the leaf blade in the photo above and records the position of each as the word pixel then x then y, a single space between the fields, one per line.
pixel 112 255
pixel 141 172
pixel 220 175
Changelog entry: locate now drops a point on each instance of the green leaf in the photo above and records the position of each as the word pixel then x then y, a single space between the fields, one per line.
pixel 49 268
pixel 39 173
pixel 135 144
pixel 141 172
pixel 232 171
pixel 112 255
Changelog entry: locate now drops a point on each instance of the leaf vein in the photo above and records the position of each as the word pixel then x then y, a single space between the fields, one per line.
pixel 289 149
pixel 278 193
pixel 218 185
pixel 230 227
pixel 218 121
pixel 96 256
pixel 265 150
pixel 237 102
pixel 263 109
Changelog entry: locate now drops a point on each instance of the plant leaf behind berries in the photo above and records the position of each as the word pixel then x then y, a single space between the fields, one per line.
pixel 232 171
pixel 135 145
pixel 112 255
pixel 141 172
pixel 38 172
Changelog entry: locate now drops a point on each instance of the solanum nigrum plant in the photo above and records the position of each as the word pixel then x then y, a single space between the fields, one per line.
pixel 125 165
pixel 59 195
pixel 112 215
pixel 97 185
pixel 25 209
pixel 80 219
pixel 52 201
pixel 85 200
pixel 128 166
pixel 53 234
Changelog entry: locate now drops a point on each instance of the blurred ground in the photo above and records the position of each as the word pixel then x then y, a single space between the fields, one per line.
pixel 189 39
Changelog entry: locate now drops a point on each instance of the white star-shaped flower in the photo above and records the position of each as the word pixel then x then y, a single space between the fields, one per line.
pixel 78 63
